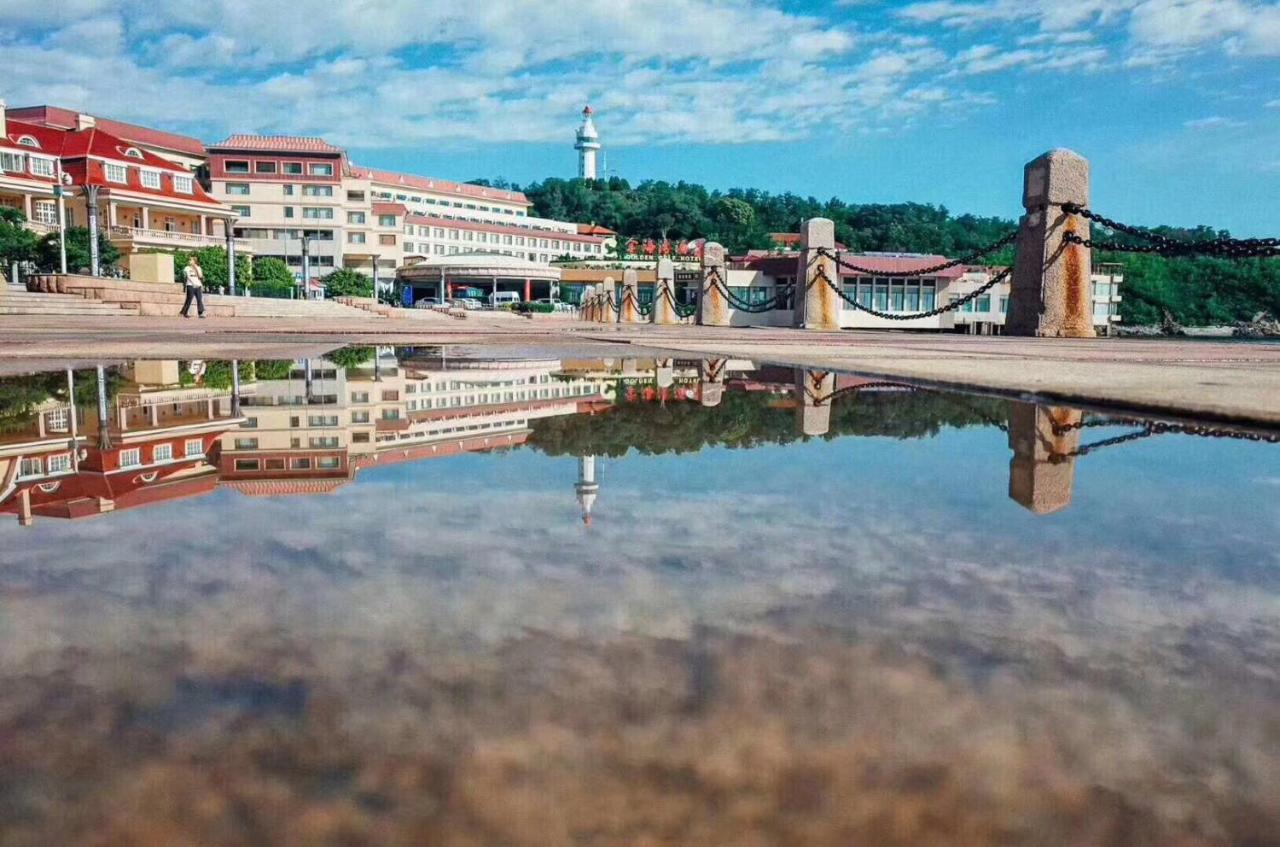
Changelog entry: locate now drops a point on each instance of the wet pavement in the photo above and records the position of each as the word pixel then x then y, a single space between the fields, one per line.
pixel 452 596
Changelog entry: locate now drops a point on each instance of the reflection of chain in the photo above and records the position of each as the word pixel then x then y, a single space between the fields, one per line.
pixel 1161 428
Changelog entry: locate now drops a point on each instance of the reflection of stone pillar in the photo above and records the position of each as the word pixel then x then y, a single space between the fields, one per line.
pixel 1042 469
pixel 629 313
pixel 1050 294
pixel 664 294
pixel 235 387
pixel 713 307
pixel 608 295
pixel 813 401
pixel 587 488
pixel 711 381
pixel 817 306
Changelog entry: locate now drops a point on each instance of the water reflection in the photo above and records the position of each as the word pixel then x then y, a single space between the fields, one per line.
pixel 837 631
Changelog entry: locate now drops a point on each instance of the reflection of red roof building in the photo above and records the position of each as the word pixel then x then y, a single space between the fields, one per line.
pixel 285 487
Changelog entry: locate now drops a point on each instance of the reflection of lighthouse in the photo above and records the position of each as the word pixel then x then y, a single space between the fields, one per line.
pixel 587 487
pixel 588 142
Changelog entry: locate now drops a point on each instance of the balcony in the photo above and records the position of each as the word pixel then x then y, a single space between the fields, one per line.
pixel 129 238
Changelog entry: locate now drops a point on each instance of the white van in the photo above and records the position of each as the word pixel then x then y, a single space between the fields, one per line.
pixel 499 298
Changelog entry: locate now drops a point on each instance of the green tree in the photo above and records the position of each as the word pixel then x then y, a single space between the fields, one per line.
pixel 272 278
pixel 17 243
pixel 78 260
pixel 350 357
pixel 345 282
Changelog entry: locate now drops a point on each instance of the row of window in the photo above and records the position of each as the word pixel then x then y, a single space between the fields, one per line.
pixel 892 295
pixel 359 218
pixel 34 466
pixel 132 458
pixel 299 463
pixel 21 163
pixel 313 213
pixel 148 178
pixel 243 189
pixel 271 166
pixel 500 238
pixel 410 198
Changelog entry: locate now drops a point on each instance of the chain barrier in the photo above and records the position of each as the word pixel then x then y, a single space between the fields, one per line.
pixel 777 301
pixel 689 311
pixel 1221 248
pixel 1058 458
pixel 999 243
pixel 910 316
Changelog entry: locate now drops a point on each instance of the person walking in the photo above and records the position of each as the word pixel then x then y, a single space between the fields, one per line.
pixel 194 278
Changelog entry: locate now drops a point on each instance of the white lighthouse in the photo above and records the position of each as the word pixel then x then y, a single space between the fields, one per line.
pixel 586 487
pixel 587 146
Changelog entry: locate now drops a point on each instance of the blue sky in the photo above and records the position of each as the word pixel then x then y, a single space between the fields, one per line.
pixel 1176 102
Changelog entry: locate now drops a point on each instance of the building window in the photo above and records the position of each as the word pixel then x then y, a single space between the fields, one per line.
pixel 45 211
pixel 264 167
pixel 236 166
pixel 291 168
pixel 300 464
pixel 239 189
pixel 983 303
pixel 328 442
pixel 28 141
pixel 355 217
pixel 273 464
pixel 360 417
pixel 41 167
pixel 355 196
pixel 317 212
pixel 288 211
pixel 182 184
pixel 318 169
pixel 288 190
pixel 60 463
pixel 246 444
pixel 360 397
pixel 241 211
pixel 317 191
pixel 116 173
pixel 246 464
pixel 11 162
pixel 131 458
pixel 162 453
pixel 386 220
pixel 328 463
pixel 150 179
pixel 193 447
pixel 359 438
pixel 30 467
pixel 322 420
pixel 355 238
pixel 387 239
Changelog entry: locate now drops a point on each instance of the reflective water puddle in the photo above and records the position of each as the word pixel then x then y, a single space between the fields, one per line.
pixel 407 597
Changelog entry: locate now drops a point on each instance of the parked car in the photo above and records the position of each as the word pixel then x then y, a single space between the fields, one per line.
pixel 503 298
pixel 465 303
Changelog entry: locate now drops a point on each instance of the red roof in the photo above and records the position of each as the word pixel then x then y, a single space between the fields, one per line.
pixel 785 264
pixel 390 209
pixel 76 147
pixel 56 117
pixel 595 229
pixel 277 144
pixel 442 186
pixel 432 220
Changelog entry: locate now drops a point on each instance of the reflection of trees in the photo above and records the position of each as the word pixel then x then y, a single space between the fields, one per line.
pixel 20 395
pixel 273 368
pixel 350 357
pixel 745 420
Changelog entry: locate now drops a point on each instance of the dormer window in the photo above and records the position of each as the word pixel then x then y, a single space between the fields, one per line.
pixel 133 153
pixel 182 184
pixel 28 141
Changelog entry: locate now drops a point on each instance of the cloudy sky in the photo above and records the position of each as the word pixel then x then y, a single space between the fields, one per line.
pixel 1175 101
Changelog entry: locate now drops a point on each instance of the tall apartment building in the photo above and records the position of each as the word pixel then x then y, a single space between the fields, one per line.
pixel 284 188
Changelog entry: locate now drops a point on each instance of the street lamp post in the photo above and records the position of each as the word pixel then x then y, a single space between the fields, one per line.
pixel 306 265
pixel 231 258
pixel 60 192
pixel 91 197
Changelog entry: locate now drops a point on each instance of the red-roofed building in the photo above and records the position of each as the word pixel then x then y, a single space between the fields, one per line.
pixel 180 149
pixel 145 201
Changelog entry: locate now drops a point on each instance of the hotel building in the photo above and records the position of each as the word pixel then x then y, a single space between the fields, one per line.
pixel 373 221
pixel 146 202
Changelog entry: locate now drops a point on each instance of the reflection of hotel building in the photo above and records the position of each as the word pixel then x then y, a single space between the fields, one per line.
pixel 295 442
pixel 160 435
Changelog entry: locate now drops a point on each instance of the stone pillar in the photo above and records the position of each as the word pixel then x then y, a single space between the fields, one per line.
pixel 113 213
pixel 816 305
pixel 608 295
pixel 629 313
pixel 813 401
pixel 146 218
pixel 713 307
pixel 231 260
pixel 1050 292
pixel 664 294
pixel 711 381
pixel 1042 470
pixel 584 304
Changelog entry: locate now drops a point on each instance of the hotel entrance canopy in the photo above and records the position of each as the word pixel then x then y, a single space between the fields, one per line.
pixel 489 272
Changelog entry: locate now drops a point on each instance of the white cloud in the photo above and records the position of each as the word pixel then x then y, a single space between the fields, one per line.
pixel 1212 122
pixel 1240 27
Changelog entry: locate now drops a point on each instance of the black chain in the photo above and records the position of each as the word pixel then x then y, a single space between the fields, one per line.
pixel 1003 241
pixel 777 301
pixel 1223 248
pixel 909 316
pixel 1161 428
pixel 1058 458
